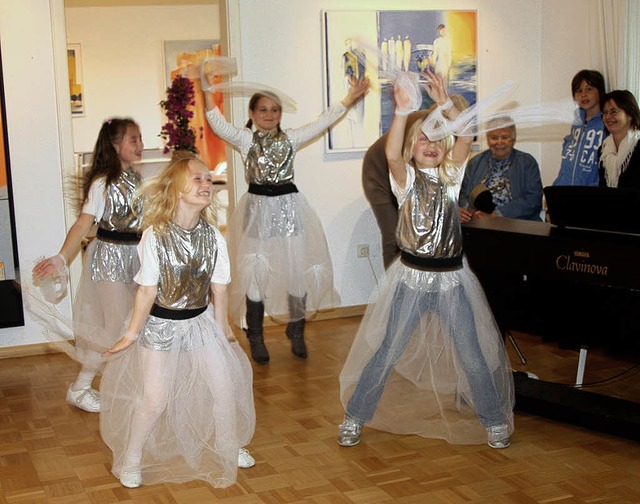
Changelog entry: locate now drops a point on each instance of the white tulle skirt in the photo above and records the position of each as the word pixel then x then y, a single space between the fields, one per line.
pixel 195 401
pixel 102 305
pixel 429 359
pixel 278 249
pixel 104 299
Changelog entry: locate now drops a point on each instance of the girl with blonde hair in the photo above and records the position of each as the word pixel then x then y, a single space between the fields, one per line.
pixel 177 399
pixel 428 358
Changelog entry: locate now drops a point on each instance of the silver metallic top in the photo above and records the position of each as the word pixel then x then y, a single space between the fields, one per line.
pixel 187 258
pixel 429 223
pixel 243 138
pixel 270 159
pixel 118 212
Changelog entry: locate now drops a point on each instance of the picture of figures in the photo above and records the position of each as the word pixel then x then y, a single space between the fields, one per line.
pixel 350 54
pixel 442 57
pixel 354 68
pixel 444 40
pixel 395 53
pixel 379 42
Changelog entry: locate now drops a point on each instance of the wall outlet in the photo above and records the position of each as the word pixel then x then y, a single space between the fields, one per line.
pixel 362 250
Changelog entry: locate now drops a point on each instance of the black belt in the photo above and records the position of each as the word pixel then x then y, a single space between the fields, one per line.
pixel 117 236
pixel 431 263
pixel 168 313
pixel 272 190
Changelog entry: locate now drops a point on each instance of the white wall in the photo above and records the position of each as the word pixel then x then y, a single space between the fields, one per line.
pixel 540 43
pixel 565 50
pixel 123 62
pixel 36 155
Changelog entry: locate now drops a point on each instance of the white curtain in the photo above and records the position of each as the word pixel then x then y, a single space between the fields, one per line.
pixel 630 71
pixel 615 42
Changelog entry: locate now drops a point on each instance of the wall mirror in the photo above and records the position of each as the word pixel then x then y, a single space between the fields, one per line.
pixel 11 311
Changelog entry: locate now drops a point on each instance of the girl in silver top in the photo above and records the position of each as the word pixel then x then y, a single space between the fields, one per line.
pixel 428 358
pixel 177 403
pixel 106 290
pixel 279 252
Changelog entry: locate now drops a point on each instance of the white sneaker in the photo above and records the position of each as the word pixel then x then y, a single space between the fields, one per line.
pixel 245 460
pixel 498 436
pixel 86 399
pixel 131 478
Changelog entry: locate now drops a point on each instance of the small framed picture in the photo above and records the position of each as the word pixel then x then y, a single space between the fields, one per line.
pixel 76 91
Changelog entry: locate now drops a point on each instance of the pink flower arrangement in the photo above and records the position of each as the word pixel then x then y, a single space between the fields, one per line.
pixel 177 133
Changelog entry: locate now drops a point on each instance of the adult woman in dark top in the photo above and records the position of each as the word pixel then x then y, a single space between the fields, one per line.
pixel 620 153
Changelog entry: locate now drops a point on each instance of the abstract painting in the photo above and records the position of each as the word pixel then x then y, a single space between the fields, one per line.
pixel 183 57
pixel 371 43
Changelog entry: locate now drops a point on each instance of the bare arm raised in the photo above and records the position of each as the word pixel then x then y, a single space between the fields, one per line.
pixel 357 90
pixel 435 88
pixel 395 138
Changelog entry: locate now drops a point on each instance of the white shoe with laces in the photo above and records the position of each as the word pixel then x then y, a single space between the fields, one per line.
pixel 86 399
pixel 245 460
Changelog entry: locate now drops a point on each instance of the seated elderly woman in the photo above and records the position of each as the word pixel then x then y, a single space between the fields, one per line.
pixel 501 181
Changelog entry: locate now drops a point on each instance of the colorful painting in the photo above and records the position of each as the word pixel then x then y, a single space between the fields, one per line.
pixel 183 57
pixel 74 62
pixel 375 42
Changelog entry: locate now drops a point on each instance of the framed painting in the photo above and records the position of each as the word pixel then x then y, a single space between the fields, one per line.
pixel 76 91
pixel 11 311
pixel 183 57
pixel 370 43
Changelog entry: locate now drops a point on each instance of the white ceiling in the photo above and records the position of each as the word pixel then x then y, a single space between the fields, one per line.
pixel 130 3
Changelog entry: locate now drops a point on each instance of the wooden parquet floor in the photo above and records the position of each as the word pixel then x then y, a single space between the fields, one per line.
pixel 53 453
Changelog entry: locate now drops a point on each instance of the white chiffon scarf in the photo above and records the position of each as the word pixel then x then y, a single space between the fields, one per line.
pixel 615 161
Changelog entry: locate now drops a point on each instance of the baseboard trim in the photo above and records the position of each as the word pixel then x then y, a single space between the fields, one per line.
pixel 28 350
pixel 50 348
pixel 342 312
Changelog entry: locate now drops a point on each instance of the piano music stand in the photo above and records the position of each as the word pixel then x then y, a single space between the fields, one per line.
pixel 588 208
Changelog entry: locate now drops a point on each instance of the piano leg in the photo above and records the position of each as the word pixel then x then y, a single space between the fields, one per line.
pixel 582 361
pixel 516 347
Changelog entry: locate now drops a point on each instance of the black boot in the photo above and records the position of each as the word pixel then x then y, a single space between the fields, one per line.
pixel 255 318
pixel 295 329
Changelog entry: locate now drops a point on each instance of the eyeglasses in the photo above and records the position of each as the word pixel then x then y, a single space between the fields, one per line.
pixel 611 112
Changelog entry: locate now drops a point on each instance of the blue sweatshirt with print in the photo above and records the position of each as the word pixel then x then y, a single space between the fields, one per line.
pixel 580 152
